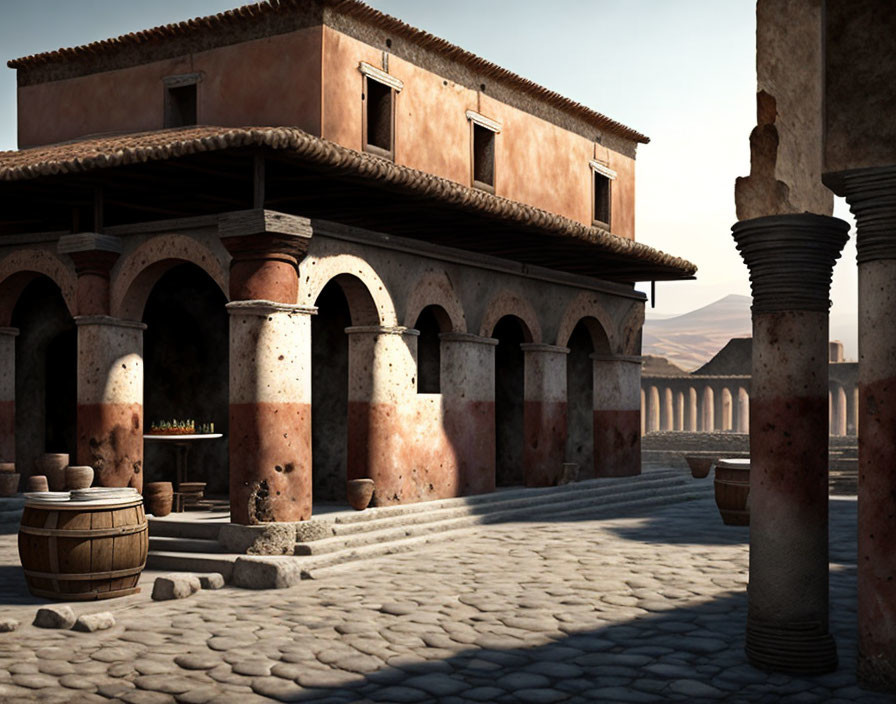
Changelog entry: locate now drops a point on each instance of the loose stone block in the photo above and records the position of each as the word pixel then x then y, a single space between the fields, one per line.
pixel 263 539
pixel 212 580
pixel 175 586
pixel 88 623
pixel 8 624
pixel 55 617
pixel 266 572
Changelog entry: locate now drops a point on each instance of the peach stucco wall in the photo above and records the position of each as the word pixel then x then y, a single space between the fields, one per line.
pixel 272 81
pixel 432 134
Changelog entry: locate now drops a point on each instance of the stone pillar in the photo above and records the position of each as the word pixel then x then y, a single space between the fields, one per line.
pixel 544 413
pixel 643 412
pixel 270 412
pixel 678 415
pixel 852 411
pixel 718 408
pixel 872 198
pixel 382 371
pixel 617 443
pixel 707 417
pixel 468 396
pixel 743 412
pixel 93 255
pixel 270 369
pixel 110 399
pixel 666 410
pixel 653 410
pixel 8 394
pixel 790 258
pixel 838 411
pixel 691 413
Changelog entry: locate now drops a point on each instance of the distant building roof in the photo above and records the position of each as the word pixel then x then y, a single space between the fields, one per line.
pixel 279 17
pixel 734 358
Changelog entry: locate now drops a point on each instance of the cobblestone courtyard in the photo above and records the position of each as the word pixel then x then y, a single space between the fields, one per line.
pixel 635 609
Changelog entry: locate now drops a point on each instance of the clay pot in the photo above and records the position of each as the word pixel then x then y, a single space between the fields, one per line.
pixel 52 465
pixel 38 482
pixel 7 467
pixel 77 477
pixel 700 465
pixel 360 492
pixel 9 483
pixel 159 498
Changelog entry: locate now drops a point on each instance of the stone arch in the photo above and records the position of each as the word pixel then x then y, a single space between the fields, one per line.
pixel 509 303
pixel 368 298
pixel 19 268
pixel 629 336
pixel 586 307
pixel 435 288
pixel 139 271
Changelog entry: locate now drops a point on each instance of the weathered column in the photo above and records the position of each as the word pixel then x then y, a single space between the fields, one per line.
pixel 270 412
pixel 468 396
pixel 743 412
pixel 8 394
pixel 110 399
pixel 544 413
pixel 666 410
pixel 691 414
pixel 838 411
pixel 382 371
pixel 678 416
pixel 718 409
pixel 872 198
pixel 707 417
pixel 643 412
pixel 270 370
pixel 791 258
pixel 653 410
pixel 617 442
pixel 852 411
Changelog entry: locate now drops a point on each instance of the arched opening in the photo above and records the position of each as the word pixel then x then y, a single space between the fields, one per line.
pixel 343 302
pixel 510 332
pixel 46 374
pixel 186 351
pixel 431 321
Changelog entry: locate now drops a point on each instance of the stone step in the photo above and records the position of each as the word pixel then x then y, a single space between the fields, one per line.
pixel 431 511
pixel 439 523
pixel 320 566
pixel 178 544
pixel 169 561
pixel 177 528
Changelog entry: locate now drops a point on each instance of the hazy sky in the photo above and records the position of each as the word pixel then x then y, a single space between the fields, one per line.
pixel 680 71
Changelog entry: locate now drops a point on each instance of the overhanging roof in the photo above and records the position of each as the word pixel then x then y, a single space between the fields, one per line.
pixel 192 170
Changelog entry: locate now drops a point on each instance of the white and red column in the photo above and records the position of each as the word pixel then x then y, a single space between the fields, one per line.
pixel 544 413
pixel 270 370
pixel 791 258
pixel 617 440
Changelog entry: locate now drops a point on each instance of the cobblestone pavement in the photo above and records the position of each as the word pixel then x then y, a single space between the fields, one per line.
pixel 636 609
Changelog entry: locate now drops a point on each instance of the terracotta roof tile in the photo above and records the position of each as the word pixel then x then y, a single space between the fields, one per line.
pixel 121 150
pixel 353 8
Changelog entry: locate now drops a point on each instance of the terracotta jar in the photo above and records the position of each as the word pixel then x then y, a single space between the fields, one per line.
pixel 360 492
pixel 9 483
pixel 158 497
pixel 77 477
pixel 38 482
pixel 7 467
pixel 700 465
pixel 52 465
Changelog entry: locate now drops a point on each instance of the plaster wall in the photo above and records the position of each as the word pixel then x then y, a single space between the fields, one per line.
pixel 270 81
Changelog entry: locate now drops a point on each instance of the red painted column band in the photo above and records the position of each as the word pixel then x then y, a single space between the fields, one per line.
pixel 617 415
pixel 544 413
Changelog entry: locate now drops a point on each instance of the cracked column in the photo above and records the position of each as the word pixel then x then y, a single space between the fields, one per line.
pixel 382 382
pixel 110 368
pixel 872 198
pixel 270 371
pixel 544 413
pixel 8 394
pixel 791 258
pixel 468 395
pixel 617 411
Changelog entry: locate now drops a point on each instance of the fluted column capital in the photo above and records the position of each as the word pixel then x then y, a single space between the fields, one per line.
pixel 791 259
pixel 871 194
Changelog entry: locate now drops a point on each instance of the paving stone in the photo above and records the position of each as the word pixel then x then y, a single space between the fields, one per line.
pixel 544 695
pixel 54 617
pixel 197 661
pixel 522 680
pixel 278 688
pixel 76 681
pixel 484 694
pixel 622 695
pixel 558 670
pixel 253 667
pixel 33 681
pixel 400 695
pixel 164 683
pixel 175 586
pixel 695 689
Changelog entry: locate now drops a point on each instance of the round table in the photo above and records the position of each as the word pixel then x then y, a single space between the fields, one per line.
pixel 182 446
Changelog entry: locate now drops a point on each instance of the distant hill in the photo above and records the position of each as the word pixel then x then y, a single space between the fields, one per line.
pixel 692 339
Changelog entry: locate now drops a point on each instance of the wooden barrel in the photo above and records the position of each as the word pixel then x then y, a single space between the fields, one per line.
pixel 73 552
pixel 732 487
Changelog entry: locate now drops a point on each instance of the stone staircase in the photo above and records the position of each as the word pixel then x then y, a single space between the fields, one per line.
pixel 346 537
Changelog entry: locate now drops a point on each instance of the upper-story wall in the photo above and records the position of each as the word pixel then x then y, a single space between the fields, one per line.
pixel 269 81
pixel 310 78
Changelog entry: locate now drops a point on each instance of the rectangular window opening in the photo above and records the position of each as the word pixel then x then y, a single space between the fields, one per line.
pixel 180 107
pixel 483 158
pixel 379 99
pixel 601 199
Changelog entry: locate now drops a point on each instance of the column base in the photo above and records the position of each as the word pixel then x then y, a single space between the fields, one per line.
pixel 799 648
pixel 876 673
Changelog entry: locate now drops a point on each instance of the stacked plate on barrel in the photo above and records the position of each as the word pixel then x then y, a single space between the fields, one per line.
pixel 107 494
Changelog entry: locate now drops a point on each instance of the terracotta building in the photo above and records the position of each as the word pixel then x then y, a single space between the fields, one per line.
pixel 359 250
